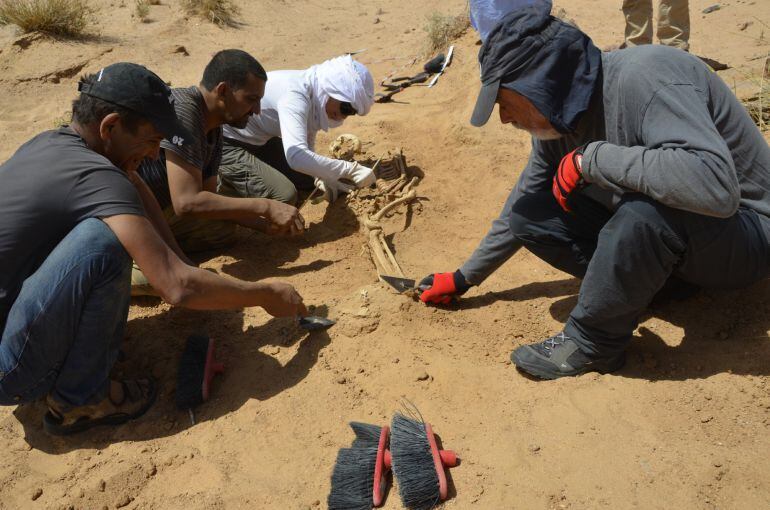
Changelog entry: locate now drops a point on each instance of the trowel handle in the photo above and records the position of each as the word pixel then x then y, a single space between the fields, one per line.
pixel 434 65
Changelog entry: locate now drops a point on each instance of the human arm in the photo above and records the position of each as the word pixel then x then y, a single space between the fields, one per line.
pixel 293 111
pixel 155 215
pixel 191 196
pixel 182 285
pixel 499 244
pixel 682 161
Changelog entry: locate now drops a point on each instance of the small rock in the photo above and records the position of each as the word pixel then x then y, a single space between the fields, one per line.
pixel 712 8
pixel 124 500
pixel 360 371
pixel 395 360
pixel 376 20
pixel 317 502
pixel 152 470
pixel 102 485
pixel 534 448
pixel 717 464
pixel 341 380
pixel 423 376
pixel 81 493
pixel 744 25
pixel 182 50
pixel 37 493
pixel 706 419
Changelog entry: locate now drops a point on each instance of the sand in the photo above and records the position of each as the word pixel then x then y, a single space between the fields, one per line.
pixel 684 425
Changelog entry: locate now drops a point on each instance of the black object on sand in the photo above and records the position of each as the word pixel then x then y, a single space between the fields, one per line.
pixel 418 464
pixel 196 370
pixel 314 323
pixel 359 478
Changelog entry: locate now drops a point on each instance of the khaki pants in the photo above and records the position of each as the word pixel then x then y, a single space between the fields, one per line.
pixel 243 174
pixel 193 235
pixel 673 22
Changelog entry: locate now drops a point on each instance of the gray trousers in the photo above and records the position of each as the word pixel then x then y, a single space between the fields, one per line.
pixel 625 257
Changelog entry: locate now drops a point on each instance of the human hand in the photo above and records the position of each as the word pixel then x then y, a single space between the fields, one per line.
pixel 568 177
pixel 282 300
pixel 331 190
pixel 441 288
pixel 362 176
pixel 284 218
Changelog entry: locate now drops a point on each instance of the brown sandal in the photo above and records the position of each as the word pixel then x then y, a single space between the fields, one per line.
pixel 138 397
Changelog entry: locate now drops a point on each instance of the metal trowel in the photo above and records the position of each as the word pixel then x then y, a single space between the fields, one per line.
pixel 402 285
pixel 314 323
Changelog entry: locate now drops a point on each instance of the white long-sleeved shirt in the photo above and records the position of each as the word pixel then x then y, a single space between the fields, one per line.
pixel 288 111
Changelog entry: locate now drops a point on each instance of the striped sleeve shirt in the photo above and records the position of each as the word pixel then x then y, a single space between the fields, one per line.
pixel 204 151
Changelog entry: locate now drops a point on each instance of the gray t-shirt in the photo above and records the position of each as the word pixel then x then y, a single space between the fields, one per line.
pixel 52 183
pixel 665 126
pixel 202 151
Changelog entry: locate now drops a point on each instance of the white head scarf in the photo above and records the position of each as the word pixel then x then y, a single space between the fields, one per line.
pixel 344 79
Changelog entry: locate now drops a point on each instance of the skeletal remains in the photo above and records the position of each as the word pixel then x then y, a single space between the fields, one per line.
pixel 394 187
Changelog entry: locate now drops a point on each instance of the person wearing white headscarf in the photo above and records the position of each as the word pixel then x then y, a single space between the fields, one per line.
pixel 274 155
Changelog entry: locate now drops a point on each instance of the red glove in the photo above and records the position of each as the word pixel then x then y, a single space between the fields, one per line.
pixel 440 288
pixel 569 177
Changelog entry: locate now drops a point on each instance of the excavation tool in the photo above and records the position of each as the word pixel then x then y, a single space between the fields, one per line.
pixel 396 85
pixel 401 285
pixel 314 323
pixel 360 475
pixel 359 478
pixel 447 61
pixel 435 64
pixel 418 464
pixel 197 369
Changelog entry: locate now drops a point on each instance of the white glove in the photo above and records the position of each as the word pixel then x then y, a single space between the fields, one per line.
pixel 361 175
pixel 332 189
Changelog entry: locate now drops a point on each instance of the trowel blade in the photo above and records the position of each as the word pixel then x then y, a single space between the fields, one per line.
pixel 400 284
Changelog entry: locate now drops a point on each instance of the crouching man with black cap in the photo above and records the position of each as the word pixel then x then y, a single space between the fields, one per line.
pixel 73 215
pixel 645 172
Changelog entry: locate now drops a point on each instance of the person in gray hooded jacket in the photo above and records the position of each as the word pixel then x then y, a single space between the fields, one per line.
pixel 645 170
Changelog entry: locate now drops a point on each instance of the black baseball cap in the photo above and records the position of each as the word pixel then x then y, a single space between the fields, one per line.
pixel 509 49
pixel 138 89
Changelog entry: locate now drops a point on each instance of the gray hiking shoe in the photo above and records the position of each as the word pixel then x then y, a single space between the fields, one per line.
pixel 560 356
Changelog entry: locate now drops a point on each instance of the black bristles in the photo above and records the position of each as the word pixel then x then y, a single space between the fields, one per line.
pixel 353 479
pixel 366 435
pixel 413 467
pixel 189 380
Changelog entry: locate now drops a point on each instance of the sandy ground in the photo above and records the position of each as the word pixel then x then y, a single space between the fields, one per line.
pixel 684 425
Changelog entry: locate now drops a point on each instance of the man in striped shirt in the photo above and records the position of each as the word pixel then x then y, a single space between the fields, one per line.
pixel 184 177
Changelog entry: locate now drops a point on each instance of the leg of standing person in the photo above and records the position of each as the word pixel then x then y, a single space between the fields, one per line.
pixel 242 174
pixel 638 14
pixel 63 333
pixel 674 24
